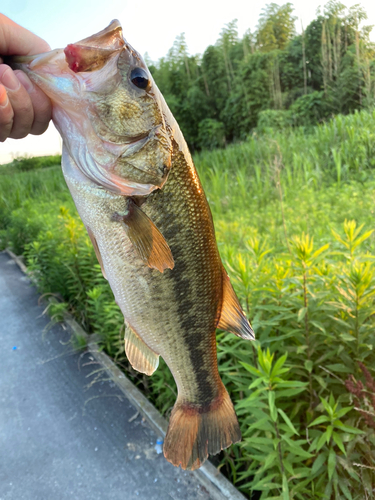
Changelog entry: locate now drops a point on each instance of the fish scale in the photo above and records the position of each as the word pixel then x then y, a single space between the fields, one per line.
pixel 151 227
pixel 189 324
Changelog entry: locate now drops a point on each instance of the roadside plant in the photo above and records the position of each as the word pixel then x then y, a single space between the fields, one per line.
pixel 363 396
pixel 271 440
pixel 330 439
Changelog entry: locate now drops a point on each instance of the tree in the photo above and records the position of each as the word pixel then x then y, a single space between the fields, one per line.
pixel 214 71
pixel 250 96
pixel 275 27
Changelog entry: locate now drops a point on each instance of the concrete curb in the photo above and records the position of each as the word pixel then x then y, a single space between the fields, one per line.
pixel 17 260
pixel 210 477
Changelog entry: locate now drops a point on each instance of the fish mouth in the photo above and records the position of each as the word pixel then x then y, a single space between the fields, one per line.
pixel 110 39
pixel 87 55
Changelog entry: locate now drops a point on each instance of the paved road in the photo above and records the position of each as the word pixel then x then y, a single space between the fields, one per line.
pixel 60 439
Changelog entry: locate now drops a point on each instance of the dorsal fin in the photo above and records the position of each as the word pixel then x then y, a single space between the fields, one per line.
pixel 140 356
pixel 232 317
pixel 146 238
pixel 96 248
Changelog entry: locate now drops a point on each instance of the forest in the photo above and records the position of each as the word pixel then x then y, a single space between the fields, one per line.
pixel 272 77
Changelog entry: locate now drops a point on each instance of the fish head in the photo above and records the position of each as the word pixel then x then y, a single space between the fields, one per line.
pixel 108 111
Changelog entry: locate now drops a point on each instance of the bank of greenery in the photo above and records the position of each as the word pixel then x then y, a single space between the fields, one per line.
pixel 294 216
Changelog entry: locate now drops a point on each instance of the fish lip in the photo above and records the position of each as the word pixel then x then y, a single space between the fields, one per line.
pixel 44 58
pixel 30 63
pixel 109 37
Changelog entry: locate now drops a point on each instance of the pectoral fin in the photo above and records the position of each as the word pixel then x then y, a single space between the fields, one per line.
pixel 232 317
pixel 140 356
pixel 96 248
pixel 146 238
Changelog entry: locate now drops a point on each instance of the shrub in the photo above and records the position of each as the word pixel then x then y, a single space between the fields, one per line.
pixel 273 119
pixel 211 134
pixel 309 109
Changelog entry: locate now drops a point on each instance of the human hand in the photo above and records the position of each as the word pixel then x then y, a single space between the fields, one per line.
pixel 24 108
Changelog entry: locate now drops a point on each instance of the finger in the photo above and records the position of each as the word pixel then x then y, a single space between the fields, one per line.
pixel 6 115
pixel 40 102
pixel 20 102
pixel 16 40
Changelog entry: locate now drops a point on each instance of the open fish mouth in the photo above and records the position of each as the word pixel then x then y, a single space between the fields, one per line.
pixel 58 70
pixel 101 44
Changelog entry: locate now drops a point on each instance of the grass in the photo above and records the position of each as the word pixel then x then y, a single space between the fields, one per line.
pixel 294 216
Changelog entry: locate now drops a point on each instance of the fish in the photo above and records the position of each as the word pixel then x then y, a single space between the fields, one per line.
pixel 136 189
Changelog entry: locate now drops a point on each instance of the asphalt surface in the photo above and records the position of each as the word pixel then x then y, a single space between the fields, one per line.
pixel 66 431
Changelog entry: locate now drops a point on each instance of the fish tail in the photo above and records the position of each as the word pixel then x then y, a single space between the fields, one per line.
pixel 195 431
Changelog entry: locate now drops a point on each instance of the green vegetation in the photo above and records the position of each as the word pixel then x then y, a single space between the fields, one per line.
pixel 272 76
pixel 24 164
pixel 294 215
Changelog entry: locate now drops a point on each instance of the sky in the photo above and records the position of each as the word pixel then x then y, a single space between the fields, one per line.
pixel 150 26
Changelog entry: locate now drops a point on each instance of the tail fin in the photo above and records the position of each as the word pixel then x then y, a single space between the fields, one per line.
pixel 195 431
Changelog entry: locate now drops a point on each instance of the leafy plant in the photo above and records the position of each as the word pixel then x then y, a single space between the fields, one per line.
pixel 328 435
pixel 271 439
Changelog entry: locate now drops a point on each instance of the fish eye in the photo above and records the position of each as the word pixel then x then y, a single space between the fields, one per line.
pixel 140 78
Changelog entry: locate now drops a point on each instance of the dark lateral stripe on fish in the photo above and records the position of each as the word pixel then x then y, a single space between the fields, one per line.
pixel 190 325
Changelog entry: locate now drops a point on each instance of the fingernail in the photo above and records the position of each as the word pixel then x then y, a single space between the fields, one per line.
pixel 3 97
pixel 25 80
pixel 9 80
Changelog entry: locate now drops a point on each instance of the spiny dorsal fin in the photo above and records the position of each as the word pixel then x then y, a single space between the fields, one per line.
pixel 140 356
pixel 232 317
pixel 96 248
pixel 146 238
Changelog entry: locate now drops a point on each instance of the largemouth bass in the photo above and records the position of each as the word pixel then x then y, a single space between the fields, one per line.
pixel 138 194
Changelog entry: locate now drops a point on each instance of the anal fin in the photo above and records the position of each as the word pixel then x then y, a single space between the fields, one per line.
pixel 96 248
pixel 232 317
pixel 146 238
pixel 140 356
